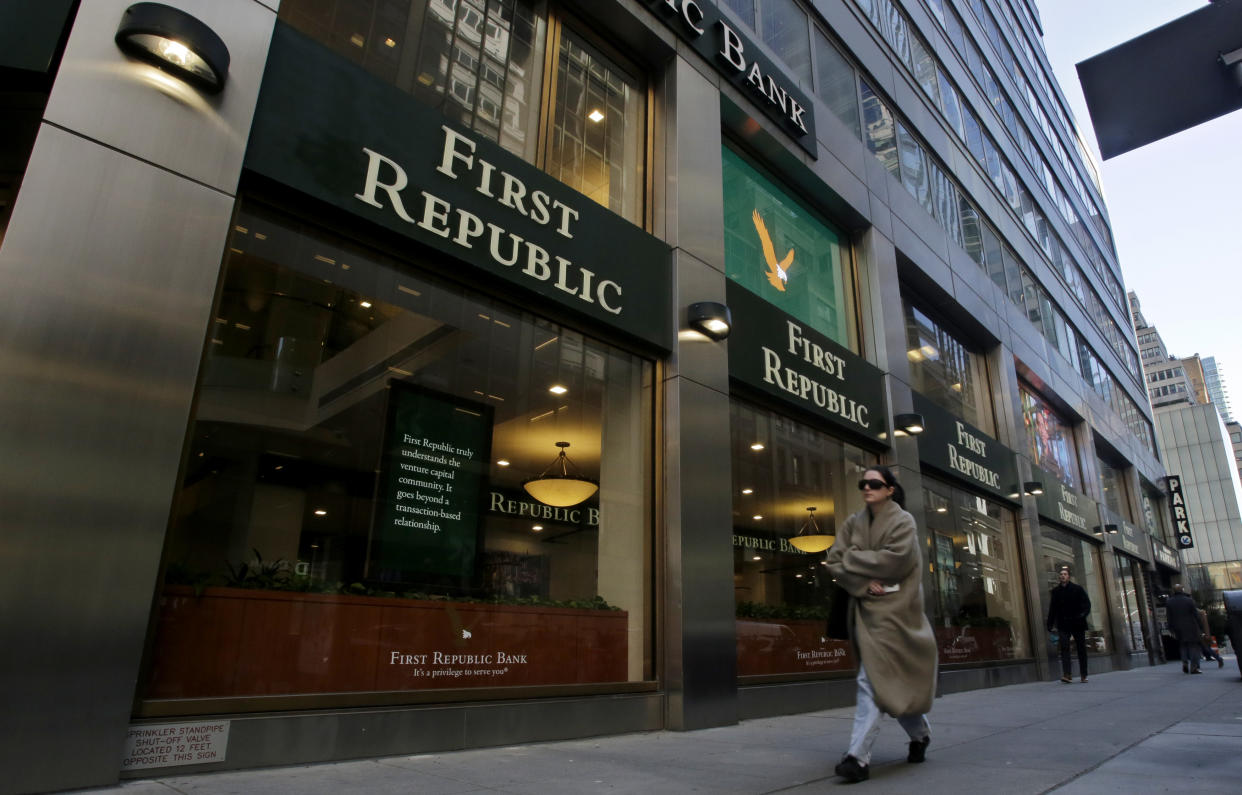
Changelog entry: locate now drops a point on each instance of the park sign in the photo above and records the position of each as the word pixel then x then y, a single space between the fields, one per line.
pixel 333 131
pixel 1177 509
pixel 721 43
pixel 959 449
pixel 785 358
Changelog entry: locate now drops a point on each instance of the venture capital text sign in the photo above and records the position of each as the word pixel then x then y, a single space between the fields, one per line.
pixel 716 39
pixel 1177 508
pixel 334 132
pixel 782 356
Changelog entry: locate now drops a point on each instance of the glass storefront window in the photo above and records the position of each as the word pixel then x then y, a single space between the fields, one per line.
pixel 1050 439
pixel 972 548
pixel 1064 550
pixel 946 371
pixel 1131 602
pixel 780 250
pixel 1154 515
pixel 781 468
pixel 482 63
pixel 351 516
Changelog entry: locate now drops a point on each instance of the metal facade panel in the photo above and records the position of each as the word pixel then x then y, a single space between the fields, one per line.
pixel 107 273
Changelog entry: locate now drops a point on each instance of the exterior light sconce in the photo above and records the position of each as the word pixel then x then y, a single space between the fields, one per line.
pixel 810 538
pixel 172 40
pixel 711 319
pixel 1033 488
pixel 1110 529
pixel 907 424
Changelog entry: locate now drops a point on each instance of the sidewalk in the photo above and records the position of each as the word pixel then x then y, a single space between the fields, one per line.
pixel 1142 731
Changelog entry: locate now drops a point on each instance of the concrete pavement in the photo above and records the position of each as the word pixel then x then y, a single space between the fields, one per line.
pixel 1142 731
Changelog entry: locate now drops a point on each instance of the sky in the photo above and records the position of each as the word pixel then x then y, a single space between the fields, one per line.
pixel 1176 204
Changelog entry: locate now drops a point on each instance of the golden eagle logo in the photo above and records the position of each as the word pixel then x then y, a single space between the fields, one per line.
pixel 778 272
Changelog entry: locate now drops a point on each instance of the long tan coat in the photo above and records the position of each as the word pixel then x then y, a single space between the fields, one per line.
pixel 890 632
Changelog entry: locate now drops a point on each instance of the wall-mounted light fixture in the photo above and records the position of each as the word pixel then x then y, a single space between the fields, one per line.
pixel 1106 528
pixel 170 39
pixel 809 537
pixel 711 319
pixel 907 424
pixel 557 487
pixel 1033 488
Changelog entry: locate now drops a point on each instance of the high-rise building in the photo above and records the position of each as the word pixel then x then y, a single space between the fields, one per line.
pixel 382 377
pixel 1217 392
pixel 1202 452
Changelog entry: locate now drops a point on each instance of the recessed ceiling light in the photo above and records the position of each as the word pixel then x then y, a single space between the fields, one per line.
pixel 757 557
pixel 390 43
pixel 357 40
pixel 757 446
pixel 321 512
pixel 757 517
pixel 596 115
pixel 502 462
pixel 557 389
pixel 538 528
pixel 364 304
pixel 748 491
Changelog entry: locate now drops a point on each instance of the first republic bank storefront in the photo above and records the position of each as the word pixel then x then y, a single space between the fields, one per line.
pixel 419 495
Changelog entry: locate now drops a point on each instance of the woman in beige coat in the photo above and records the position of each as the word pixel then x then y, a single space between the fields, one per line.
pixel 876 559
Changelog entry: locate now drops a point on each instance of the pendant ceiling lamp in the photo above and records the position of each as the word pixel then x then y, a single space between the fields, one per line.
pixel 810 538
pixel 557 487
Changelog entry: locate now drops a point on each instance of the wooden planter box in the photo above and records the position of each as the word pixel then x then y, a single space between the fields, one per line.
pixel 239 642
pixel 789 646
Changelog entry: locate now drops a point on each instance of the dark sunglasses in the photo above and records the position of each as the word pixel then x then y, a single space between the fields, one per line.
pixel 871 483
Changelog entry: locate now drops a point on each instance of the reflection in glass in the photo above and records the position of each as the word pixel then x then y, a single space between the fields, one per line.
pixel 781 593
pixel 343 515
pixel 946 371
pixel 972 548
pixel 1050 439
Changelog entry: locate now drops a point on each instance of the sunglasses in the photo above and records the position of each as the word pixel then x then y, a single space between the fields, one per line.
pixel 871 483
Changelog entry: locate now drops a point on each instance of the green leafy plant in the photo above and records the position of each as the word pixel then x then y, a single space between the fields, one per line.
pixel 759 610
pixel 259 574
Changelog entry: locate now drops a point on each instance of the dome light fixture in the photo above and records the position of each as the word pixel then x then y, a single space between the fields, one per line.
pixel 557 487
pixel 810 538
pixel 172 40
pixel 711 319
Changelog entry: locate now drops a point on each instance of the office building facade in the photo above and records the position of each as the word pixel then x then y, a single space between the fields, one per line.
pixel 381 402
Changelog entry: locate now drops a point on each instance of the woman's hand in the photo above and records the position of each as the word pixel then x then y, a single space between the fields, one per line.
pixel 875 588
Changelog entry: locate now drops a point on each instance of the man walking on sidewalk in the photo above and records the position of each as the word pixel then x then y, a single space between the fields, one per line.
pixel 1184 621
pixel 1067 614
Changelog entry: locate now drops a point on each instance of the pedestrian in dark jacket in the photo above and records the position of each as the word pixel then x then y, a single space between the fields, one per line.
pixel 1184 622
pixel 1067 614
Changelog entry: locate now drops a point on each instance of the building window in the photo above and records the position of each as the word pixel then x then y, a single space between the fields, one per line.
pixel 780 592
pixel 778 248
pixel 945 371
pixel 1060 550
pixel 485 64
pixel 1050 438
pixel 351 516
pixel 1116 493
pixel 973 556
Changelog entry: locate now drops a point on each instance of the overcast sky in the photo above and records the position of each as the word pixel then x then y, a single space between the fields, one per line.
pixel 1176 204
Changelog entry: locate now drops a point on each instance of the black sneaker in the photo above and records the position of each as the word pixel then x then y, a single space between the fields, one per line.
pixel 918 750
pixel 852 771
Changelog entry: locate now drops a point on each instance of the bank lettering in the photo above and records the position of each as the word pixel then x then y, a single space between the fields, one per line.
pixel 731 54
pixel 809 389
pixel 966 466
pixel 535 510
pixel 386 186
pixel 1069 498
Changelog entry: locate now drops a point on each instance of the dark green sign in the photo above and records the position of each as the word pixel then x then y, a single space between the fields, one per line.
pixel 430 497
pixel 1064 505
pixel 1132 541
pixel 722 43
pixel 958 448
pixel 331 130
pixel 1165 555
pixel 778 354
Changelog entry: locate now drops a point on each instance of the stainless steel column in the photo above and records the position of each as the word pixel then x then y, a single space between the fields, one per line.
pixel 700 632
pixel 107 276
